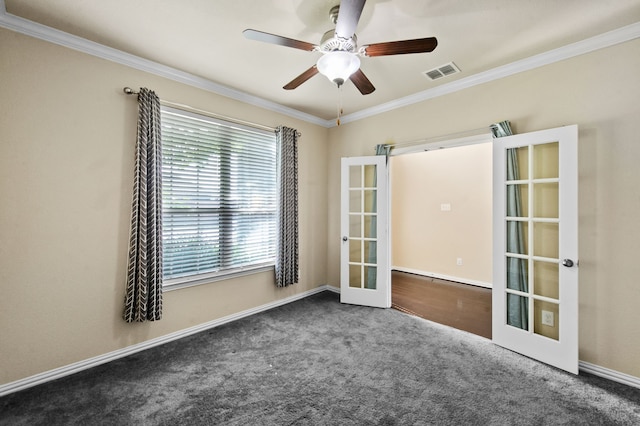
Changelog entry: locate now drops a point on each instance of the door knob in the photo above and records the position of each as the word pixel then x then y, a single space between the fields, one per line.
pixel 567 262
pixel 345 239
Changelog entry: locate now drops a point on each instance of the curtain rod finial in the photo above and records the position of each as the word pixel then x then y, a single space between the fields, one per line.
pixel 129 91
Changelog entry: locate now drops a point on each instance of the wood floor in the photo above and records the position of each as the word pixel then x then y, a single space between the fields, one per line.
pixel 461 306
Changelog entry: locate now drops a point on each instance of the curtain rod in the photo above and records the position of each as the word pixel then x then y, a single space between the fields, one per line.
pixel 130 91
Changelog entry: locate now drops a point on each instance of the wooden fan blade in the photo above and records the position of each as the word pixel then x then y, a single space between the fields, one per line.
pixel 402 47
pixel 276 39
pixel 362 82
pixel 348 17
pixel 301 78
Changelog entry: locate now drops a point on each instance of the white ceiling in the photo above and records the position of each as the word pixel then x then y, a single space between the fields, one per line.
pixel 204 38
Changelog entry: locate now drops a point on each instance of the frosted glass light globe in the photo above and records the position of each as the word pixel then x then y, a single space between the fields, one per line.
pixel 338 66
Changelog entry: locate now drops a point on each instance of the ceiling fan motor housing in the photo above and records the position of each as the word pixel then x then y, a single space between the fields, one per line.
pixel 331 43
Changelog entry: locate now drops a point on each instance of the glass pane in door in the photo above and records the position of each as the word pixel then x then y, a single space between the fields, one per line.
pixel 545 161
pixel 370 226
pixel 518 311
pixel 370 201
pixel 355 251
pixel 370 275
pixel 355 200
pixel 546 276
pixel 355 177
pixel 517 274
pixel 517 200
pixel 370 251
pixel 363 226
pixel 545 240
pixel 517 237
pixel 546 319
pixel 355 226
pixel 546 200
pixel 518 164
pixel 369 177
pixel 355 276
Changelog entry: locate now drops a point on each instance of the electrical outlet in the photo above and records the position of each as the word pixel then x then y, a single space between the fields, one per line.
pixel 445 207
pixel 547 318
pixel 459 261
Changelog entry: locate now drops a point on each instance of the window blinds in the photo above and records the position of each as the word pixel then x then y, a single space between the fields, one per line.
pixel 219 196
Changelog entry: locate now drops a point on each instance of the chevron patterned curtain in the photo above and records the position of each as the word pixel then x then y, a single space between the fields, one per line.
pixel 143 299
pixel 287 244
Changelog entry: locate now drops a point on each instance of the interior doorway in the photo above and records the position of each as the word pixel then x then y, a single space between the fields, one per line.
pixel 441 235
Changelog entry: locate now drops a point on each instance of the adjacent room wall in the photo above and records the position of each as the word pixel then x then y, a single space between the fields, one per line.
pixel 583 91
pixel 426 237
pixel 67 137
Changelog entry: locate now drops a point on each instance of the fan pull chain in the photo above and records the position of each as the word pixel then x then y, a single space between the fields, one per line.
pixel 340 110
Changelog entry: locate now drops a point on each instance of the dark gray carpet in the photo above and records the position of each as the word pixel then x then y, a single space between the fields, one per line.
pixel 317 362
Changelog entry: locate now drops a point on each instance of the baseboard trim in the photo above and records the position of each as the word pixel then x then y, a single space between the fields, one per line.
pixel 614 376
pixel 333 289
pixel 442 276
pixel 77 367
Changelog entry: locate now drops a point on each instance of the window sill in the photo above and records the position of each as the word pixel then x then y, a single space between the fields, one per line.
pixel 178 283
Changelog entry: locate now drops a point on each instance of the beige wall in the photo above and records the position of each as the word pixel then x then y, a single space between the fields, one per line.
pixel 426 239
pixel 604 104
pixel 67 137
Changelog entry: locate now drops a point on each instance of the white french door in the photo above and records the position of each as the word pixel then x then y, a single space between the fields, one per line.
pixel 535 274
pixel 365 276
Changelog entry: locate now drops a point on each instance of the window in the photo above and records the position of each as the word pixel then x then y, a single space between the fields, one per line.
pixel 219 197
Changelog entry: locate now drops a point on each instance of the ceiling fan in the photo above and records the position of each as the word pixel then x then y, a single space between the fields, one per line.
pixel 340 53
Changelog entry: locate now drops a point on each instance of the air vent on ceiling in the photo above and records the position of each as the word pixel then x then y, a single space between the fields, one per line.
pixel 442 71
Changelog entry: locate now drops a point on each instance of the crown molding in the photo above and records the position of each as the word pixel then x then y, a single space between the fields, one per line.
pixel 43 32
pixel 52 35
pixel 601 41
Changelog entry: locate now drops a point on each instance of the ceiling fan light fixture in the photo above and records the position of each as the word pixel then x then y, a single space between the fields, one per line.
pixel 338 66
